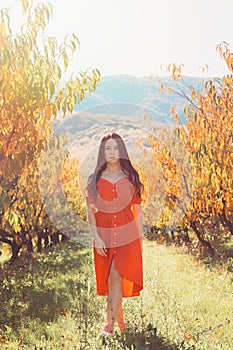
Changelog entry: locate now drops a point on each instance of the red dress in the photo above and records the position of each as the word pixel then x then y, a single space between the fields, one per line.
pixel 117 227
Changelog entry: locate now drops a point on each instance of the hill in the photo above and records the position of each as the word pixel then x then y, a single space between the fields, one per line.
pixel 130 95
pixel 133 107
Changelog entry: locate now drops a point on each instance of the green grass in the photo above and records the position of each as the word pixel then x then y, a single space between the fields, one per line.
pixel 49 302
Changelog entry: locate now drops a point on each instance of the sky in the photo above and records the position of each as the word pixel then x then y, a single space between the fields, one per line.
pixel 137 37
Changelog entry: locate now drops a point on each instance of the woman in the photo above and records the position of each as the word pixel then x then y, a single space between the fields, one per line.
pixel 115 216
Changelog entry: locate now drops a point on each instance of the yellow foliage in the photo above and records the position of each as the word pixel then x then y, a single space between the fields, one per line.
pixel 208 138
pixel 30 98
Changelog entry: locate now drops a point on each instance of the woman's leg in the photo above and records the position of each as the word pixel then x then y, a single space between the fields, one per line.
pixel 120 316
pixel 114 306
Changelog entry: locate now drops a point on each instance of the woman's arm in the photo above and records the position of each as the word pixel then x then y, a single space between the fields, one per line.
pixel 137 212
pixel 99 243
pixel 92 221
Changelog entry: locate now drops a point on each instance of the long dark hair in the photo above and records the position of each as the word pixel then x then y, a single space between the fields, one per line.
pixel 125 162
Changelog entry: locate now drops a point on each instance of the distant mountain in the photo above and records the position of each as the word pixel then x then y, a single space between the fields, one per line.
pixel 128 96
pixel 133 107
pixel 131 98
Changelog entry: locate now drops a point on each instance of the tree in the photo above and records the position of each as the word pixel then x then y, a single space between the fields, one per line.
pixel 208 138
pixel 31 98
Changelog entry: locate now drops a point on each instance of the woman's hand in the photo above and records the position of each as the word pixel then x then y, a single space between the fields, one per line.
pixel 98 242
pixel 100 246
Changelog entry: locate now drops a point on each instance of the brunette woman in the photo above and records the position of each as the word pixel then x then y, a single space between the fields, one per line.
pixel 115 217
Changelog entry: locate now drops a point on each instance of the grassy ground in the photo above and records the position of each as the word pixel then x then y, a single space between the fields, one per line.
pixel 50 302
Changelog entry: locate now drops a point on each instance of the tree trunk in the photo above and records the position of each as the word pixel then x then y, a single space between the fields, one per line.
pixel 29 245
pixel 39 241
pixel 15 248
pixel 225 221
pixel 205 243
pixel 186 238
pixel 46 240
pixel 54 238
pixel 64 238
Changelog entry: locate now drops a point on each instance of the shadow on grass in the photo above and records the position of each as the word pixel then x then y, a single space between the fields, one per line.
pixel 222 258
pixel 42 287
pixel 147 339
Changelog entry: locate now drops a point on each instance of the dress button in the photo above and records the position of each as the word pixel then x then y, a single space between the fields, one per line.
pixel 114 198
pixel 115 215
pixel 114 242
pixel 113 190
pixel 114 252
pixel 115 208
pixel 115 225
pixel 114 233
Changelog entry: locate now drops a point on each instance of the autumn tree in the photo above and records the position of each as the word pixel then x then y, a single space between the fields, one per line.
pixel 175 183
pixel 207 135
pixel 61 192
pixel 31 97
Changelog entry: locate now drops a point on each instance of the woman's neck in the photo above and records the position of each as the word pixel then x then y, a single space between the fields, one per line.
pixel 114 168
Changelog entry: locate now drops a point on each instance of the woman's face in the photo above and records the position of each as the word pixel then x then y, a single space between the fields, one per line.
pixel 111 151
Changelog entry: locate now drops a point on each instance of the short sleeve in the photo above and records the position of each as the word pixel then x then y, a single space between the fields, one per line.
pixel 136 199
pixel 90 198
